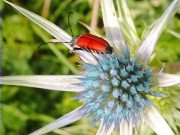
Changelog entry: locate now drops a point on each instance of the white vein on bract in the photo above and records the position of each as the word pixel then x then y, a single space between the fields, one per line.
pixel 130 127
pixel 87 57
pixel 111 25
pixel 50 82
pixel 166 80
pixel 101 128
pixel 154 119
pixel 48 26
pixel 149 43
pixel 125 128
pixel 61 122
pixel 110 130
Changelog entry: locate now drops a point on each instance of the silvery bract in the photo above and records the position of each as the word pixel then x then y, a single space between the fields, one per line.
pixel 114 87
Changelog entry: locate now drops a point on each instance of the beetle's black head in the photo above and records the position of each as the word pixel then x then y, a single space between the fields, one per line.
pixel 109 50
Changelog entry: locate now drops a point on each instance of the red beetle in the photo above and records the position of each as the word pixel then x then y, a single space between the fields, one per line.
pixel 91 42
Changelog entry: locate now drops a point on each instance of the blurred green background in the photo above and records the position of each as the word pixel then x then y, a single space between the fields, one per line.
pixel 24 109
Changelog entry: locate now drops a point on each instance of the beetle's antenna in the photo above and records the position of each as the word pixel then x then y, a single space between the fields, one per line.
pixel 70 23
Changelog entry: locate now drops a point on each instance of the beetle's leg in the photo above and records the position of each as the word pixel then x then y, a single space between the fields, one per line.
pixel 77 48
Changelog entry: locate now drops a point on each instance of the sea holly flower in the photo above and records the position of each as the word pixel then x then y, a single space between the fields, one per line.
pixel 115 87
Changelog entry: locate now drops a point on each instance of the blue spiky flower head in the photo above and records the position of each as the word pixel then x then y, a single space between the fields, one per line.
pixel 115 87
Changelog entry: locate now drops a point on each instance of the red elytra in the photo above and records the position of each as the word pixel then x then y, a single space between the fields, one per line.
pixel 92 43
